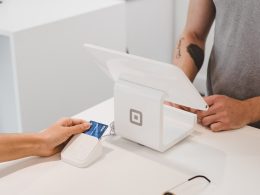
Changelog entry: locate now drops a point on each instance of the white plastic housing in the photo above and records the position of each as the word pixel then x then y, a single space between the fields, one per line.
pixel 82 150
pixel 150 73
pixel 141 88
pixel 160 126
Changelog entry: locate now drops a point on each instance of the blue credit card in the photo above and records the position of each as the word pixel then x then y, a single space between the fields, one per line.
pixel 96 129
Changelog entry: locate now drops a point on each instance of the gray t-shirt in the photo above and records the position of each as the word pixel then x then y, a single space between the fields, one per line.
pixel 234 67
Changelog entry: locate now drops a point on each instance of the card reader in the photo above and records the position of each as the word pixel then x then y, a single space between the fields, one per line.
pixel 85 148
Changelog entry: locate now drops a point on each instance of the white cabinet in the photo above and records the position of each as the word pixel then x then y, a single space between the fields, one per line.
pixel 44 71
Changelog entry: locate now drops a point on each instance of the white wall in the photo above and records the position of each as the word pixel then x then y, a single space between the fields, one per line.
pixel 8 104
pixel 150 28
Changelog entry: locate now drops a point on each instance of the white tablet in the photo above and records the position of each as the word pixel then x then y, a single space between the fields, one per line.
pixel 150 73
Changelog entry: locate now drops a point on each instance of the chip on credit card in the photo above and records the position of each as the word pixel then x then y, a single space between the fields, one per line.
pixel 96 129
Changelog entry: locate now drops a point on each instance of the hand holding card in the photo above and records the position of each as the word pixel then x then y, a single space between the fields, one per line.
pixel 85 148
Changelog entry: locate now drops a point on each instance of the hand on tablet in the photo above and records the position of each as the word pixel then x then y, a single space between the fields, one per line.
pixel 224 113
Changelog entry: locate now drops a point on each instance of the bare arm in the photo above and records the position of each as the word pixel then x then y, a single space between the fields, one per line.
pixel 189 52
pixel 224 113
pixel 253 106
pixel 45 143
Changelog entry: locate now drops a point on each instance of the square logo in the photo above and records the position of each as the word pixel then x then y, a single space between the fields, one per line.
pixel 136 117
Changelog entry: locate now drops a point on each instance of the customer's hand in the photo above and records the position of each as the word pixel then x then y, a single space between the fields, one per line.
pixel 224 113
pixel 54 138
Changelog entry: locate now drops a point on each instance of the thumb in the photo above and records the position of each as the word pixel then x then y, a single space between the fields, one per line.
pixel 76 129
pixel 210 99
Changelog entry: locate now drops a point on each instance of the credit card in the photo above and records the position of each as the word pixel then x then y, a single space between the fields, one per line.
pixel 97 129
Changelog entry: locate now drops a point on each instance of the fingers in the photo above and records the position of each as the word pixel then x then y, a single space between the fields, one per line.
pixel 212 117
pixel 194 111
pixel 211 111
pixel 210 99
pixel 217 127
pixel 76 121
pixel 213 123
pixel 206 121
pixel 215 106
pixel 73 126
pixel 67 122
pixel 79 128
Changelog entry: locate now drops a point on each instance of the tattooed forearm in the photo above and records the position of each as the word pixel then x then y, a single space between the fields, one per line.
pixel 197 54
pixel 178 55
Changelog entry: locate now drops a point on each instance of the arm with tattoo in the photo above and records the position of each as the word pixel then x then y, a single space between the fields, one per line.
pixel 189 52
pixel 189 56
pixel 197 54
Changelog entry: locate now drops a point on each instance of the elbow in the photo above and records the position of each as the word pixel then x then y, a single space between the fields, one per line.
pixel 195 37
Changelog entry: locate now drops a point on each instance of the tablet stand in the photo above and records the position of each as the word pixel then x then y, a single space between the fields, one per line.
pixel 141 116
pixel 141 88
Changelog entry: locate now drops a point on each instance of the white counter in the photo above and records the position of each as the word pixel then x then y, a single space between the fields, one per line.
pixel 230 159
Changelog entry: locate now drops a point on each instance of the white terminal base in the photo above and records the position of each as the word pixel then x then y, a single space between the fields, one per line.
pixel 141 116
pixel 82 150
pixel 141 88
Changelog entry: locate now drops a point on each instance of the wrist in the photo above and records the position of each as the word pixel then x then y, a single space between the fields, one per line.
pixel 37 144
pixel 252 109
pixel 45 147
